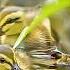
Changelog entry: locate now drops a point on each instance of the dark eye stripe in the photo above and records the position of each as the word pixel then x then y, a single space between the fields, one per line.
pixel 11 20
pixel 2 60
pixel 13 67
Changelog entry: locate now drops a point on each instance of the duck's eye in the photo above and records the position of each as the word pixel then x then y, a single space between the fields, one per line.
pixel 2 60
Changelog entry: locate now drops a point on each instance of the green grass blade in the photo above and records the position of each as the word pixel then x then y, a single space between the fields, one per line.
pixel 45 11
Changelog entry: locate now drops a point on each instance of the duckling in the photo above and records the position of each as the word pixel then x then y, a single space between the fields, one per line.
pixel 13 20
